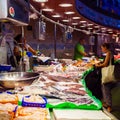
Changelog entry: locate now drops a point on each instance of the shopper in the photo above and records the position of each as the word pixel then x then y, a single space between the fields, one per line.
pixel 79 50
pixel 106 88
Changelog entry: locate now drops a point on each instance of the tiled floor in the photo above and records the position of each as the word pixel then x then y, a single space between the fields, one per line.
pixel 116 101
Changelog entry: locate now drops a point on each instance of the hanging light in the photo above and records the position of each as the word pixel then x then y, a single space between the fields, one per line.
pixel 65 20
pixel 75 18
pixel 41 1
pixel 48 10
pixel 65 5
pixel 56 16
pixel 69 12
pixel 74 23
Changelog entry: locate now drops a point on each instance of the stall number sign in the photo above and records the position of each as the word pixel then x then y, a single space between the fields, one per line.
pixel 12 11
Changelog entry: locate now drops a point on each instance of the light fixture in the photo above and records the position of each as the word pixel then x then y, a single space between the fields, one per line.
pixel 109 30
pixel 118 33
pixel 41 1
pixel 89 24
pixel 83 21
pixel 48 10
pixel 56 16
pixel 69 12
pixel 75 18
pixel 74 23
pixel 103 28
pixel 82 26
pixel 90 28
pixel 65 20
pixel 65 5
pixel 96 26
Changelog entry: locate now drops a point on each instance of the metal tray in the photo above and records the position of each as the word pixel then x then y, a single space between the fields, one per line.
pixel 17 79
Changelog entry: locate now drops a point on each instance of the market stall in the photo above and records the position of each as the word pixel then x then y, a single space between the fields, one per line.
pixel 58 93
pixel 55 90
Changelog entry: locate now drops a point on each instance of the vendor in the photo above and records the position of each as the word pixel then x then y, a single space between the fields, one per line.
pixel 21 45
pixel 79 50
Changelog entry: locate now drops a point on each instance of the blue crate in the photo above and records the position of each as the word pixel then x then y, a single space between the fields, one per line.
pixel 5 67
pixel 33 104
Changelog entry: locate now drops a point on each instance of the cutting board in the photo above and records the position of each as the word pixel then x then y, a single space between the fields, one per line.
pixel 79 114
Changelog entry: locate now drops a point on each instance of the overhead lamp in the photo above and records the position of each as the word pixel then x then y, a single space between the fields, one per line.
pixel 65 5
pixel 56 16
pixel 114 35
pixel 74 23
pixel 41 1
pixel 96 26
pixel 82 26
pixel 83 21
pixel 103 28
pixel 65 20
pixel 109 30
pixel 90 28
pixel 48 10
pixel 69 12
pixel 89 24
pixel 75 18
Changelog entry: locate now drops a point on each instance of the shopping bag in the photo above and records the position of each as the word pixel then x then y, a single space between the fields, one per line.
pixel 108 74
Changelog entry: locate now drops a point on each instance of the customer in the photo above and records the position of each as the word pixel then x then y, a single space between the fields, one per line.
pixel 106 88
pixel 79 50
pixel 20 43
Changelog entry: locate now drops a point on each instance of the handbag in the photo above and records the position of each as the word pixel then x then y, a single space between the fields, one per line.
pixel 108 73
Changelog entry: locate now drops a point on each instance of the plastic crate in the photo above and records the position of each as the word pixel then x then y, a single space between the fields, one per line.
pixel 5 67
pixel 34 104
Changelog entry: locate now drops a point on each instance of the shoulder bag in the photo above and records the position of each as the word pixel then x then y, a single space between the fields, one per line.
pixel 108 73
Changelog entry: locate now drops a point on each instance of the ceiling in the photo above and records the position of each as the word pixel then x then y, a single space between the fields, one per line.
pixel 75 20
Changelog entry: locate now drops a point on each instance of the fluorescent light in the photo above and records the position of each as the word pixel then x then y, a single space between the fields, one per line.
pixel 90 28
pixel 65 5
pixel 48 10
pixel 40 0
pixel 56 16
pixel 69 12
pixel 82 26
pixel 96 26
pixel 65 20
pixel 75 18
pixel 89 24
pixel 83 21
pixel 109 30
pixel 103 28
pixel 74 23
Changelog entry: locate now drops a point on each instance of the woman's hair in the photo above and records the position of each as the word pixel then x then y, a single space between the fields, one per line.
pixel 106 45
pixel 18 38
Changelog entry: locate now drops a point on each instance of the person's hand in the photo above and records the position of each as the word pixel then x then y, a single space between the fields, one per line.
pixel 85 54
pixel 97 65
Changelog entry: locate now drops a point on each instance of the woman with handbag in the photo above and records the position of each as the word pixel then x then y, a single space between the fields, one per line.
pixel 106 87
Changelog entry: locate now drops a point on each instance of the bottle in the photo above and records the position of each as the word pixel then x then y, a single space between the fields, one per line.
pixel 27 64
pixel 29 61
pixel 52 56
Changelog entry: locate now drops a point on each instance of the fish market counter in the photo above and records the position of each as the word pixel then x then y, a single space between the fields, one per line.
pixel 59 93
